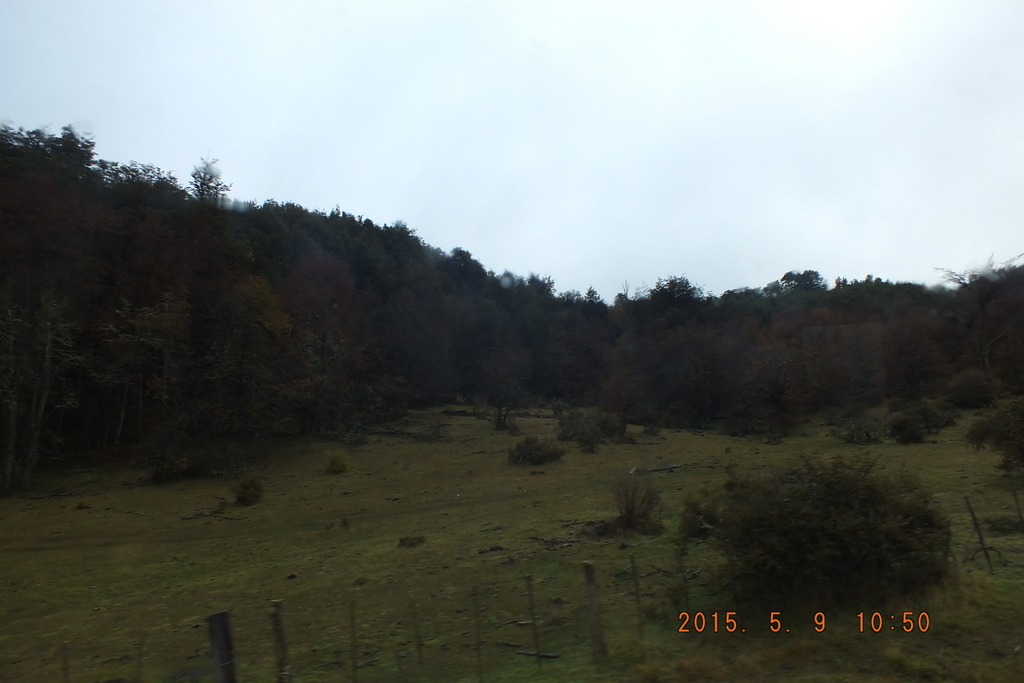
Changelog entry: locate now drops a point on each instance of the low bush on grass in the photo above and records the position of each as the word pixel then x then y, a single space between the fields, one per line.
pixel 534 451
pixel 639 503
pixel 1003 430
pixel 189 460
pixel 248 491
pixel 822 532
pixel 610 424
pixel 859 430
pixel 970 389
pixel 337 463
pixel 589 427
pixel 904 428
pixel 576 424
pixel 909 422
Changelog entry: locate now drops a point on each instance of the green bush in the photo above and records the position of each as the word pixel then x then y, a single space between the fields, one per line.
pixel 832 532
pixel 970 389
pixel 933 416
pixel 610 425
pixel 576 424
pixel 1003 430
pixel 905 428
pixel 534 451
pixel 858 430
pixel 910 421
pixel 914 419
pixel 248 491
pixel 638 501
pixel 337 463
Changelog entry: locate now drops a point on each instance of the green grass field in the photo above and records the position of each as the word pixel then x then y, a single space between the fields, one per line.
pixel 97 558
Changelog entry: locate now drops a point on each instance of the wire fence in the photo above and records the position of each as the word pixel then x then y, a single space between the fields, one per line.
pixel 450 635
pixel 458 638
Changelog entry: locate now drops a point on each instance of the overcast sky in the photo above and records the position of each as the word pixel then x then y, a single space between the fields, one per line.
pixel 599 143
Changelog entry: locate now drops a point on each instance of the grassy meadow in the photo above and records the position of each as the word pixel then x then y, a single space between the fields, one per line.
pixel 98 558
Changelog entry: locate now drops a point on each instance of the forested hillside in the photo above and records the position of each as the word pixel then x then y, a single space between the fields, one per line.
pixel 135 310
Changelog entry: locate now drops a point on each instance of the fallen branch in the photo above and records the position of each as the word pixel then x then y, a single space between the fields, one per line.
pixel 542 655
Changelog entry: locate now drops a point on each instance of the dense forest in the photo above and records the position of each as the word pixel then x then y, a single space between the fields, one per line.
pixel 137 311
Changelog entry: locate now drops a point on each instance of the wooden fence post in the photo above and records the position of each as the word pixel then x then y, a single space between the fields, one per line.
pixel 598 649
pixel 977 528
pixel 284 667
pixel 138 657
pixel 533 619
pixel 636 591
pixel 479 647
pixel 416 631
pixel 401 669
pixel 223 650
pixel 65 658
pixel 352 630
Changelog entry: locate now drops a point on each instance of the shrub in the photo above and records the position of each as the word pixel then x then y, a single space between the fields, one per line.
pixel 337 463
pixel 533 451
pixel 1003 430
pixel 970 389
pixel 411 541
pixel 905 428
pixel 822 532
pixel 910 420
pixel 610 425
pixel 859 430
pixel 581 426
pixel 934 417
pixel 248 491
pixel 638 501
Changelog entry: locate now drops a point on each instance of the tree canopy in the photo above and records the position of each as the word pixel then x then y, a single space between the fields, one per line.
pixel 137 311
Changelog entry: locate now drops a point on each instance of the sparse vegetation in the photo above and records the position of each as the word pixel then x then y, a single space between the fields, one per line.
pixel 248 491
pixel 970 389
pixel 859 430
pixel 639 503
pixel 533 451
pixel 505 524
pixel 337 463
pixel 356 439
pixel 589 427
pixel 1002 525
pixel 576 424
pixel 825 532
pixel 910 421
pixel 904 428
pixel 411 541
pixel 1003 430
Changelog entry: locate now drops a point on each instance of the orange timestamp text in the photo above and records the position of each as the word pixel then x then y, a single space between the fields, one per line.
pixel 728 622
